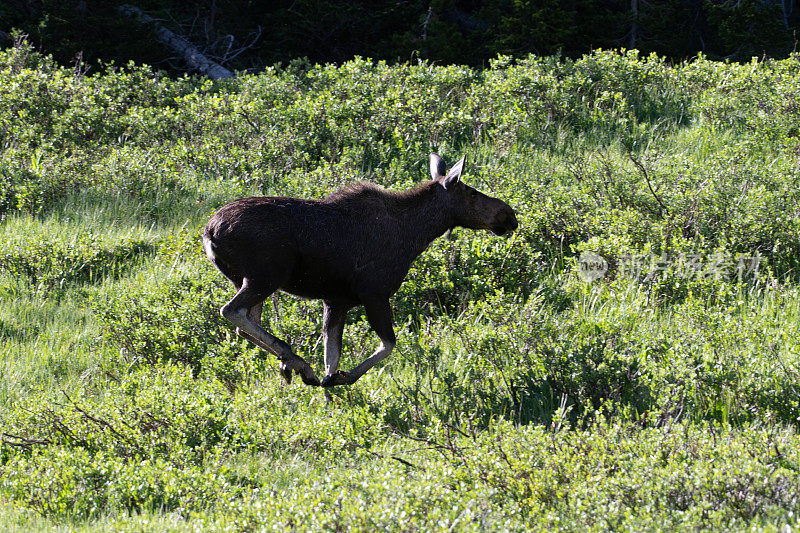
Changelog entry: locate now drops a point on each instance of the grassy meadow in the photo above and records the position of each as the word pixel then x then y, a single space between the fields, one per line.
pixel 522 395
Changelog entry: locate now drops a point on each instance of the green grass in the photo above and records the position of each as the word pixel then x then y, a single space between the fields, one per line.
pixel 518 397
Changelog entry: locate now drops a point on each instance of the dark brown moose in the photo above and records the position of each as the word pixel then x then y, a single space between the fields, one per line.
pixel 352 248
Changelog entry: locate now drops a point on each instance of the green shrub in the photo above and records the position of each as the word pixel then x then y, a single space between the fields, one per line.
pixel 519 396
pixel 51 266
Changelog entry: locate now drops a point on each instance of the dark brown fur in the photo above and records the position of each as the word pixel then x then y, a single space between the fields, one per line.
pixel 354 247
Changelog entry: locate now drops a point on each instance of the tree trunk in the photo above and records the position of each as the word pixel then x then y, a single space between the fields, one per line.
pixel 190 54
pixel 786 10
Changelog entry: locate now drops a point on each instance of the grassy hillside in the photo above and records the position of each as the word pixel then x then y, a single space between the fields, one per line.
pixel 520 396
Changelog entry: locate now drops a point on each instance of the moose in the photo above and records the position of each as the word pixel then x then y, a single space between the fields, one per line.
pixel 353 247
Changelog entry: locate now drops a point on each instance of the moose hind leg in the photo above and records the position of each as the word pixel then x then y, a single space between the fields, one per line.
pixel 254 314
pixel 379 315
pixel 244 311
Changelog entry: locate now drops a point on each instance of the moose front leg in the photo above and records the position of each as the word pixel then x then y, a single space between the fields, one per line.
pixel 333 318
pixel 379 315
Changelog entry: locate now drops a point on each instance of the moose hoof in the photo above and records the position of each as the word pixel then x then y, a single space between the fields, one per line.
pixel 339 378
pixel 306 373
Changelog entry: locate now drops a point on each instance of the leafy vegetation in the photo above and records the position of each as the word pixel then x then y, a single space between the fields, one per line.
pixel 662 395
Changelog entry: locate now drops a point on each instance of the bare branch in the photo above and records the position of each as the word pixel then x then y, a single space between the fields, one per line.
pixel 425 24
pixel 643 170
pixel 23 442
pixel 245 47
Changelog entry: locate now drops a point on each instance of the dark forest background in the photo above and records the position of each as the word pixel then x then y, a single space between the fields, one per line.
pixel 251 34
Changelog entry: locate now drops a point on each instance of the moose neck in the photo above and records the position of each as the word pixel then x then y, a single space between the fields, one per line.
pixel 423 215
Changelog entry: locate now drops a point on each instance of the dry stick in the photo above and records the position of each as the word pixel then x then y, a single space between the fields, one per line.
pixel 643 170
pixel 245 47
pixel 59 426
pixel 441 448
pixel 395 457
pixel 411 465
pixel 189 52
pixel 456 429
pixel 102 424
pixel 23 441
pixel 425 24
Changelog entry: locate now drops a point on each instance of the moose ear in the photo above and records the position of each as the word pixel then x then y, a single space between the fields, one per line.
pixel 455 173
pixel 438 167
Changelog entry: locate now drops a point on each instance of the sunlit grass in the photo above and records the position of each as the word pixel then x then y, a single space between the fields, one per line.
pixel 518 397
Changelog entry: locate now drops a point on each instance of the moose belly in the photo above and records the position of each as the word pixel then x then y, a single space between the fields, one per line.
pixel 346 282
pixel 316 281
